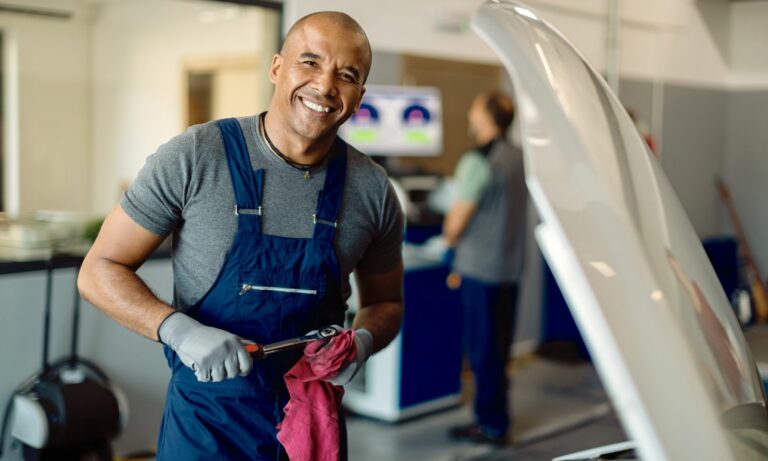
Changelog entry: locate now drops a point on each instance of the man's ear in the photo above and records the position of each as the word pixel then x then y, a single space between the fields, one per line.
pixel 360 100
pixel 274 67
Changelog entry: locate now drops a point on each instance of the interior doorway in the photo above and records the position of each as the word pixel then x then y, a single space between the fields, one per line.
pixel 222 87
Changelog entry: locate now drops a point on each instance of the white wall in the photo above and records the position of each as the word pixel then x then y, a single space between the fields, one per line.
pixel 139 48
pixel 659 39
pixel 48 59
pixel 403 26
pixel 748 39
pixel 678 41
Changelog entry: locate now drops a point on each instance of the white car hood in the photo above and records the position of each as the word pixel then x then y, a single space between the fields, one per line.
pixel 661 331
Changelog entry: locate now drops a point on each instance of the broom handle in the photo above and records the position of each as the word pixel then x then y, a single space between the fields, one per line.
pixel 761 303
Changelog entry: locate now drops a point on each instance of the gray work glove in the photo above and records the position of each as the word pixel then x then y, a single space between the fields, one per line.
pixel 364 347
pixel 213 354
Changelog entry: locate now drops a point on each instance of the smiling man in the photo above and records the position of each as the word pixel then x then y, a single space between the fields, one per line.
pixel 270 214
pixel 318 76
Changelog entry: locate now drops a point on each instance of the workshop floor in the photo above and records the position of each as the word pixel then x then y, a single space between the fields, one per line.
pixel 551 402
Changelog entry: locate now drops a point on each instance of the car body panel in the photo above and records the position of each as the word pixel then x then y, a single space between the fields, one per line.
pixel 662 333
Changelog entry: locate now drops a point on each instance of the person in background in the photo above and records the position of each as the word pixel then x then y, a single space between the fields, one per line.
pixel 486 227
pixel 270 214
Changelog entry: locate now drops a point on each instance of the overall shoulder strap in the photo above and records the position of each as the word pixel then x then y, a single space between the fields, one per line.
pixel 329 200
pixel 247 183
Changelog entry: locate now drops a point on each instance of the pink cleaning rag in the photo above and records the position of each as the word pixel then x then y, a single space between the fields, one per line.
pixel 310 429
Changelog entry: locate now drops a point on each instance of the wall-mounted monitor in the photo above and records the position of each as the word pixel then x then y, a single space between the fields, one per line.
pixel 397 121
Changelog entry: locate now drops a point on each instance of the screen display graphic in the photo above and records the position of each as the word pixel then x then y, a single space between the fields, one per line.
pixel 397 121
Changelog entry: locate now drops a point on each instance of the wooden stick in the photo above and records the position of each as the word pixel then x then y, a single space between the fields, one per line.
pixel 759 292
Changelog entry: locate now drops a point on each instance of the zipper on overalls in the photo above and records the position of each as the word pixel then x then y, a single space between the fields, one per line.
pixel 248 287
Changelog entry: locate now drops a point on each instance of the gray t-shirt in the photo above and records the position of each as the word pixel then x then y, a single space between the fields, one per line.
pixel 185 189
pixel 499 222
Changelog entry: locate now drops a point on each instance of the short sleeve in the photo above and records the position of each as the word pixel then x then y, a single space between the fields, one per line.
pixel 156 197
pixel 472 176
pixel 385 251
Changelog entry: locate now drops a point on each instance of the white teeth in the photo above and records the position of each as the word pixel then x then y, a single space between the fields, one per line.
pixel 316 107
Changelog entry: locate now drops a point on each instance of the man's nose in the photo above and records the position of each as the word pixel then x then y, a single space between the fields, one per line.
pixel 325 83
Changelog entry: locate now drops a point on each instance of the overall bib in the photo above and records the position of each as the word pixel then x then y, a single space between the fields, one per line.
pixel 269 289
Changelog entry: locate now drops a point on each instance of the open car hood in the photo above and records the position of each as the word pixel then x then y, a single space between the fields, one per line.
pixel 662 333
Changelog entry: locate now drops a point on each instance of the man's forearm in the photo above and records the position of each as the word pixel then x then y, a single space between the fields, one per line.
pixel 122 295
pixel 382 320
pixel 457 220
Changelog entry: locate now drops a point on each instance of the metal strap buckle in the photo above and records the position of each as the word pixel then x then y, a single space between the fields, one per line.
pixel 316 220
pixel 247 211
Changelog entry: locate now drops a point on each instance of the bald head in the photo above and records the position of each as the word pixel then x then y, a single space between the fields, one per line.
pixel 319 77
pixel 337 21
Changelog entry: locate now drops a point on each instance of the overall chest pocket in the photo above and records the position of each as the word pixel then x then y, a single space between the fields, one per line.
pixel 276 306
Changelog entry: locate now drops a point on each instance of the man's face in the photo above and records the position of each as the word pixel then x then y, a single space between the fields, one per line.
pixel 319 79
pixel 478 119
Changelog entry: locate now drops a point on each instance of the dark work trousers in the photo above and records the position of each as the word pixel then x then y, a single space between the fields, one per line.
pixel 490 311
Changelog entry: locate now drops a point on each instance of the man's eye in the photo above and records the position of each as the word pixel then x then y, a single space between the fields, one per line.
pixel 309 63
pixel 349 78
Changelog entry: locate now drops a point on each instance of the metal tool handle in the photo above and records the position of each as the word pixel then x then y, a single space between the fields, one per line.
pixel 288 344
pixel 293 343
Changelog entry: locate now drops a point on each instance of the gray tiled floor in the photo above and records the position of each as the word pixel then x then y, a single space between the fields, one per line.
pixel 549 398
pixel 602 431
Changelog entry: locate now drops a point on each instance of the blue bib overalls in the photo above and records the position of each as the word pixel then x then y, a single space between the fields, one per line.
pixel 269 289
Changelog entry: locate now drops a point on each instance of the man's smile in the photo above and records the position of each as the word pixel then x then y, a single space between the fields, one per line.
pixel 315 106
